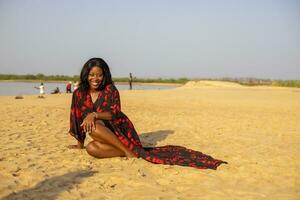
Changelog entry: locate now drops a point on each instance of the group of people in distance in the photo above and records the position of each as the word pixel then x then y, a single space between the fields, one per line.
pixel 57 90
pixel 69 86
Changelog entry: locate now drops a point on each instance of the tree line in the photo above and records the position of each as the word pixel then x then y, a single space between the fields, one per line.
pixel 42 77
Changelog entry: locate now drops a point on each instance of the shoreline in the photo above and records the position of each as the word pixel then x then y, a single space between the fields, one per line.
pixel 141 83
pixel 160 84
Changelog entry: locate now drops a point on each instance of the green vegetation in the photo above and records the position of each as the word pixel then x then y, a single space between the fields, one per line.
pixel 265 82
pixel 242 81
pixel 288 83
pixel 152 80
pixel 42 77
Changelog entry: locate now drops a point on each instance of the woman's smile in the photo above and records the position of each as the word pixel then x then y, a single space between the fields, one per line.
pixel 95 78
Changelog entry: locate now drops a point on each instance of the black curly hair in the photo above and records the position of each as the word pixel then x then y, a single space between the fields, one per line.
pixel 95 62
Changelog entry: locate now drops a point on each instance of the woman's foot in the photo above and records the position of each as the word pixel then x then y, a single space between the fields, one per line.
pixel 129 154
pixel 73 146
pixel 76 146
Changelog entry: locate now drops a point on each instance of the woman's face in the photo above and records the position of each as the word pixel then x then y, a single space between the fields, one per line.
pixel 95 77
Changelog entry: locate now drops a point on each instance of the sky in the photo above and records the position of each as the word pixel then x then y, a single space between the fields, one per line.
pixel 151 39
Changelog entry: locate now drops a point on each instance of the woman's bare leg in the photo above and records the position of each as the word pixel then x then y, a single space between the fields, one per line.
pixel 104 135
pixel 100 150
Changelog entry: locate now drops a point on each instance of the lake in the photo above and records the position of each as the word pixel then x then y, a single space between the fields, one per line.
pixel 27 88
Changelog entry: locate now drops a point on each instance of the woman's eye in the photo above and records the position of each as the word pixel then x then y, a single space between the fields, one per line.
pixel 95 75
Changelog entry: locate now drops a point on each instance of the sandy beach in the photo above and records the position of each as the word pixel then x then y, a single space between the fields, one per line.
pixel 255 129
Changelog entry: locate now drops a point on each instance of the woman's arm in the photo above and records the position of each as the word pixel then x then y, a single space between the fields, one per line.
pixel 108 110
pixel 88 123
pixel 103 115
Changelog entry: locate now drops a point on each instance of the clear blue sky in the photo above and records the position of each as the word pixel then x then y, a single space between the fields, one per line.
pixel 153 38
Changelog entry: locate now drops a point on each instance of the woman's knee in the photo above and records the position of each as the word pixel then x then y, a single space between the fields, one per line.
pixel 93 133
pixel 92 149
pixel 97 132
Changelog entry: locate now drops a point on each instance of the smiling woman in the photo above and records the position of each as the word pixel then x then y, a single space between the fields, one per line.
pixel 95 78
pixel 97 71
pixel 96 110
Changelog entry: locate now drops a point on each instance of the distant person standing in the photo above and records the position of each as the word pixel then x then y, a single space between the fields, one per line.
pixel 69 87
pixel 130 81
pixel 42 90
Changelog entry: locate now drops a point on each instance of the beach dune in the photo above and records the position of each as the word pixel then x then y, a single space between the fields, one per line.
pixel 255 129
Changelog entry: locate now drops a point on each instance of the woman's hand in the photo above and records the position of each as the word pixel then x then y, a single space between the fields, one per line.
pixel 88 123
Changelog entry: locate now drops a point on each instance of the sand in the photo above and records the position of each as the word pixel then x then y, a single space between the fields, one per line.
pixel 255 129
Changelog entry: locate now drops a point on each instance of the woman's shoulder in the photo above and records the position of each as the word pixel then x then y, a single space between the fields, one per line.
pixel 79 92
pixel 111 87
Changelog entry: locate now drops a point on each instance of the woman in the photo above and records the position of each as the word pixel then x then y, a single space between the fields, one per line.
pixel 96 110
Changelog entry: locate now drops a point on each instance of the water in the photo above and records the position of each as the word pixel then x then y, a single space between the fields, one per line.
pixel 24 88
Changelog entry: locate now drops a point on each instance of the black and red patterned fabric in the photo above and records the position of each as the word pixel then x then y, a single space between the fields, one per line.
pixel 109 101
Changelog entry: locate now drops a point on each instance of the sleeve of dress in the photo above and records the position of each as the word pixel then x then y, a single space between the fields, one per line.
pixel 76 119
pixel 114 103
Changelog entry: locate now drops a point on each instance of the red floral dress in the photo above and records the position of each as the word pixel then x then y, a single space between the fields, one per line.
pixel 121 126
